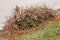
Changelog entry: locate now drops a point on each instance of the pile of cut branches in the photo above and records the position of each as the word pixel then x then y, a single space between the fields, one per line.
pixel 27 18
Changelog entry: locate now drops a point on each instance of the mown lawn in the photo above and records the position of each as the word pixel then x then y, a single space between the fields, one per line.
pixel 51 31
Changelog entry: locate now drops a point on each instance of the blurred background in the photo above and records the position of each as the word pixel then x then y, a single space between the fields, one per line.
pixel 7 6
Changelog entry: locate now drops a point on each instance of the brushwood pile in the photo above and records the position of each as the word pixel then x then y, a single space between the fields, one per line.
pixel 28 17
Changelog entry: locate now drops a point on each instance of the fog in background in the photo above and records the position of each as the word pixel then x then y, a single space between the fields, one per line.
pixel 7 6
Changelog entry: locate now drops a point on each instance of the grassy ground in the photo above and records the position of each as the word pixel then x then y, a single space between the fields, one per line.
pixel 51 31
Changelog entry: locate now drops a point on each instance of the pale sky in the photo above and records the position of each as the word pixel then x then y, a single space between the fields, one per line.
pixel 6 6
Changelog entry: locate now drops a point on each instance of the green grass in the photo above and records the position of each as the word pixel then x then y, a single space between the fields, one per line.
pixel 51 31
